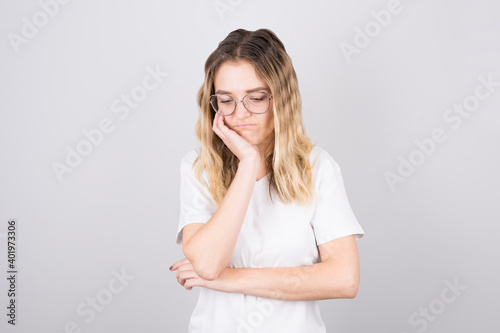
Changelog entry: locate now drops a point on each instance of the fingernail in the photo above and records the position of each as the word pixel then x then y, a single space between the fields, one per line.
pixel 171 267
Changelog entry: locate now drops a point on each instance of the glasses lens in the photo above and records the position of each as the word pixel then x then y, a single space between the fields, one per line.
pixel 222 104
pixel 257 102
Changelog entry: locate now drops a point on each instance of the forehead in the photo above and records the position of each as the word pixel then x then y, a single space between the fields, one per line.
pixel 236 77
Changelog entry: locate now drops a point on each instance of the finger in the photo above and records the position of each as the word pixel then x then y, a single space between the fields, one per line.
pixel 217 128
pixel 218 132
pixel 184 268
pixel 194 282
pixel 222 123
pixel 216 119
pixel 186 275
pixel 223 128
pixel 177 264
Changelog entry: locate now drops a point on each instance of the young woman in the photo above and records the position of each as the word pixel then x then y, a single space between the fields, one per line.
pixel 265 223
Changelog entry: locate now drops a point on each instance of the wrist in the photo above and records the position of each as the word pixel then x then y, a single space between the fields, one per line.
pixel 249 165
pixel 227 281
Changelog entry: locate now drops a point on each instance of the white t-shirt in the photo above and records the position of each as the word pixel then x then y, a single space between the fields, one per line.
pixel 272 235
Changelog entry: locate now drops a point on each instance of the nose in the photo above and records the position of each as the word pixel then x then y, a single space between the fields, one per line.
pixel 241 111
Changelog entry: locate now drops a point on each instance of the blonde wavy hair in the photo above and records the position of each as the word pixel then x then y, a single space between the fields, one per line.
pixel 288 163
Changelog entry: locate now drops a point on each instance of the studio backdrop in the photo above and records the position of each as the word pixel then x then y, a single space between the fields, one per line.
pixel 98 106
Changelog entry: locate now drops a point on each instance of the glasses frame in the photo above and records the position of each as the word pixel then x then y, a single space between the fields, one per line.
pixel 270 97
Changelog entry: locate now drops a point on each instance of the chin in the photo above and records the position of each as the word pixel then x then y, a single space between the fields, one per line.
pixel 250 140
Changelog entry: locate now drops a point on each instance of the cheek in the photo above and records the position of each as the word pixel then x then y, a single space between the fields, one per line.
pixel 228 122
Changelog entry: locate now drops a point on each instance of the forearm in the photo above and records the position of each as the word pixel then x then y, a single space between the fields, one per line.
pixel 211 247
pixel 324 280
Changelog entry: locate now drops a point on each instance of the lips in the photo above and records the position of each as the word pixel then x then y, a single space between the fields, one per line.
pixel 244 125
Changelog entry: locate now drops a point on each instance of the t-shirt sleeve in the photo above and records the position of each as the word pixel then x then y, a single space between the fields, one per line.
pixel 196 203
pixel 333 217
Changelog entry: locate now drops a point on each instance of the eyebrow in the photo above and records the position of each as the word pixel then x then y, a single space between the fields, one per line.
pixel 248 91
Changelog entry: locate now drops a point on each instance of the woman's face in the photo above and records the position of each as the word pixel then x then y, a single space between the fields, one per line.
pixel 237 79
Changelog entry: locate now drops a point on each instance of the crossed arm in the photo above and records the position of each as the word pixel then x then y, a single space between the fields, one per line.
pixel 336 276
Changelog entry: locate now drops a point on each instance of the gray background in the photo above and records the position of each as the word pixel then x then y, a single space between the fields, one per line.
pixel 118 209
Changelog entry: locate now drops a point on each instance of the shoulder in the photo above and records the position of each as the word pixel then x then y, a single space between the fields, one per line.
pixel 325 170
pixel 322 162
pixel 187 163
pixel 189 157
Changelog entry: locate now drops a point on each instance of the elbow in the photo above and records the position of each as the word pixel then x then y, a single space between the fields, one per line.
pixel 210 276
pixel 202 266
pixel 351 283
pixel 347 286
pixel 351 291
pixel 207 273
pixel 203 269
pixel 351 287
pixel 345 289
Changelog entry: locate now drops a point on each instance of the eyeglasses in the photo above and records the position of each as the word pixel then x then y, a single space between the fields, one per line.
pixel 255 102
